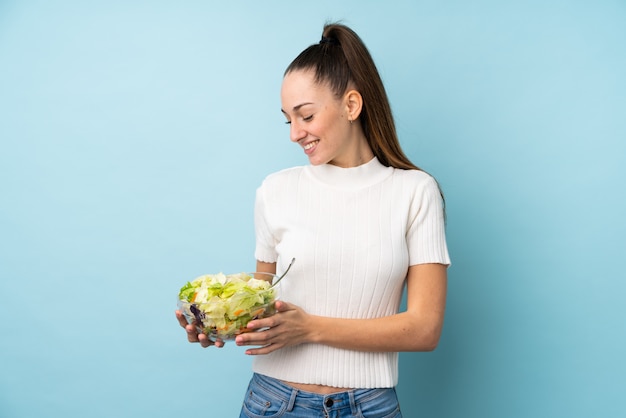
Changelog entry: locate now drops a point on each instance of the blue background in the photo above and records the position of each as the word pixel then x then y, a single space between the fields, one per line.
pixel 133 137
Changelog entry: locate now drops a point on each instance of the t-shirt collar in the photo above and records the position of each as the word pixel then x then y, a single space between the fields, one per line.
pixel 364 175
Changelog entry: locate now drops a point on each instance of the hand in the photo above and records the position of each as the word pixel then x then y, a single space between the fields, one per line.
pixel 193 336
pixel 287 327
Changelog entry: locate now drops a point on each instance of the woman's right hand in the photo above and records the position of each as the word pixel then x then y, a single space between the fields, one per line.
pixel 193 336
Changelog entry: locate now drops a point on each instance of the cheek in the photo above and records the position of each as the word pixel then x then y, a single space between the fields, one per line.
pixel 325 127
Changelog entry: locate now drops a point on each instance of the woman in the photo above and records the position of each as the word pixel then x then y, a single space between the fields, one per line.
pixel 362 222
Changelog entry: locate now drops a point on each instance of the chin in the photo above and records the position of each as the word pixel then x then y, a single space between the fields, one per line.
pixel 317 161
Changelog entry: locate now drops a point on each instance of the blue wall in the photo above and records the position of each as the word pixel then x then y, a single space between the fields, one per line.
pixel 133 138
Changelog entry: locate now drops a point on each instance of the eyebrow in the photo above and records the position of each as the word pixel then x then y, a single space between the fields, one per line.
pixel 297 107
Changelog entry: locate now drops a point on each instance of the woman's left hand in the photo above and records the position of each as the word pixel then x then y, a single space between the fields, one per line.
pixel 287 327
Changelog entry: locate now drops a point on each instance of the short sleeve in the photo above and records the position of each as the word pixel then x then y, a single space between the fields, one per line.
pixel 426 235
pixel 265 243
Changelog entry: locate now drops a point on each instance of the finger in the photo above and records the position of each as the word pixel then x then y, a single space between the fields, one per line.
pixel 261 323
pixel 192 333
pixel 181 319
pixel 205 341
pixel 262 350
pixel 259 338
pixel 268 322
pixel 282 306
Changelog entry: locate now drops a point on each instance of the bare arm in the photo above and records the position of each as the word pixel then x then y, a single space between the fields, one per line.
pixel 416 329
pixel 262 267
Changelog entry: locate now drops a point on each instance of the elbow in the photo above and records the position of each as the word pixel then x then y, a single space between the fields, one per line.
pixel 431 344
pixel 428 341
pixel 434 336
pixel 424 334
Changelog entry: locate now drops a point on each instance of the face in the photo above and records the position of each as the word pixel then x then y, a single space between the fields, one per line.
pixel 319 121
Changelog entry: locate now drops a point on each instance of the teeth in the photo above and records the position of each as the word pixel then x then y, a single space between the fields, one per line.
pixel 311 144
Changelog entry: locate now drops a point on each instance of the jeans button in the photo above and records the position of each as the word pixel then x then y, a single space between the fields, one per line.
pixel 329 402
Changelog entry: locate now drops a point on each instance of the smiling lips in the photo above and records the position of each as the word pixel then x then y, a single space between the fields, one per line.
pixel 309 146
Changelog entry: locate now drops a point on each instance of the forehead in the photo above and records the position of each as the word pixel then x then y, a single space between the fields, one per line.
pixel 300 87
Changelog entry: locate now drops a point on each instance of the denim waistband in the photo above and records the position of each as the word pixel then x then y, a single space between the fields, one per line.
pixel 334 401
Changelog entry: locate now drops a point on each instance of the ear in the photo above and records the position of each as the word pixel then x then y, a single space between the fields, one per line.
pixel 354 104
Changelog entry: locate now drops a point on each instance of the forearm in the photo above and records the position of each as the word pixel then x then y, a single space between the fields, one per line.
pixel 405 331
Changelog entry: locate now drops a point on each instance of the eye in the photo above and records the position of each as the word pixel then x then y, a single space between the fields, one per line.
pixel 305 119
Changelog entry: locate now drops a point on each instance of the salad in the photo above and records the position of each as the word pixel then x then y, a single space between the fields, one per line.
pixel 222 305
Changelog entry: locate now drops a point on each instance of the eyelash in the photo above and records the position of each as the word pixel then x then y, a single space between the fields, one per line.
pixel 306 119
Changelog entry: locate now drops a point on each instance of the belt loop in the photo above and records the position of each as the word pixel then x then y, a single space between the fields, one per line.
pixel 292 399
pixel 353 407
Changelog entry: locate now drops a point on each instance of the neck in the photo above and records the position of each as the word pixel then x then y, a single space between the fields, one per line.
pixel 359 154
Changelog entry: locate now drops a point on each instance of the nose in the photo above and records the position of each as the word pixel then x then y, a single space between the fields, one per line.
pixel 296 132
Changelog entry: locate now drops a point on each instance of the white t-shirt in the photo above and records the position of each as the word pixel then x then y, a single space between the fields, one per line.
pixel 354 232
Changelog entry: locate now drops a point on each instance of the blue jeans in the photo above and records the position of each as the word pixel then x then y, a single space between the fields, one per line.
pixel 269 397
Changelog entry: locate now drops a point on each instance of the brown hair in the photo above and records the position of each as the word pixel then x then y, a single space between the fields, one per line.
pixel 340 58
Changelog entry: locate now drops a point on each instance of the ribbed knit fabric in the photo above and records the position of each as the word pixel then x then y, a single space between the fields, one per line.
pixel 354 232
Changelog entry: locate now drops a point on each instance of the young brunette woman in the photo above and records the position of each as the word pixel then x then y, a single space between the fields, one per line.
pixel 363 223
